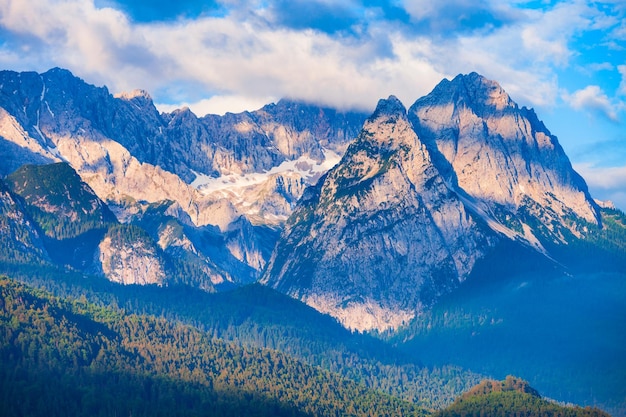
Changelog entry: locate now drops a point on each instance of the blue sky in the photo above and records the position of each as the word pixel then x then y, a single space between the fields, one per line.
pixel 566 59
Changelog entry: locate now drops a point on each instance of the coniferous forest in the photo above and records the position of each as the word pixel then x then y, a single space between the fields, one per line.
pixel 63 357
pixel 66 356
pixel 157 297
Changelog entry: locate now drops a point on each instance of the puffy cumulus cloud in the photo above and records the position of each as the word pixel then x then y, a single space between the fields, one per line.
pixel 219 105
pixel 557 35
pixel 445 18
pixel 622 85
pixel 592 99
pixel 223 56
pixel 78 36
pixel 346 53
pixel 605 183
pixel 603 177
pixel 259 61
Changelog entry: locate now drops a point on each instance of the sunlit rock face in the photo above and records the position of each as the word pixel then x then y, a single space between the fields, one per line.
pixel 420 197
pixel 381 235
pixel 134 157
pixel 379 217
pixel 502 156
pixel 129 262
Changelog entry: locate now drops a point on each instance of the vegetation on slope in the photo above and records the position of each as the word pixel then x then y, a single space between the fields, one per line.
pixel 19 242
pixel 253 316
pixel 69 357
pixel 511 397
pixel 514 319
pixel 563 333
pixel 59 201
pixel 258 317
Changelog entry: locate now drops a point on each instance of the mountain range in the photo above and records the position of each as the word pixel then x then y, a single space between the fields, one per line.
pixel 420 196
pixel 234 178
pixel 108 362
pixel 378 220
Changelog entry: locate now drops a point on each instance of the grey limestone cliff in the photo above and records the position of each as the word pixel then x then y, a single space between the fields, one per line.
pixel 420 197
pixel 133 156
pixel 381 235
pixel 503 158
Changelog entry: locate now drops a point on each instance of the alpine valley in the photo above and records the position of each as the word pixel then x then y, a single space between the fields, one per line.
pixel 301 260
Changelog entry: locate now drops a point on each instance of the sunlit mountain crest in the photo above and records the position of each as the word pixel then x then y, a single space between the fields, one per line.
pixel 419 198
pixel 415 200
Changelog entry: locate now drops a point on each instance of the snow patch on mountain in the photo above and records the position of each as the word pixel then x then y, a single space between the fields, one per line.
pixel 265 197
pixel 308 168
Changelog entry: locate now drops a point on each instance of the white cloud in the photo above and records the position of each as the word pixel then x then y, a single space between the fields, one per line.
pixel 593 99
pixel 240 58
pixel 601 66
pixel 605 183
pixel 219 105
pixel 548 34
pixel 76 35
pixel 602 177
pixel 223 56
pixel 622 85
pixel 521 55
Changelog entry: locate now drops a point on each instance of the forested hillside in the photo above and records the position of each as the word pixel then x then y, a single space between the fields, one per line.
pixel 410 279
pixel 258 317
pixel 511 397
pixel 104 362
pixel 63 357
pixel 59 201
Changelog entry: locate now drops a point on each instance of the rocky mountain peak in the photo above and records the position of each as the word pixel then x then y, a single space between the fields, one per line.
pixel 381 235
pixel 474 91
pixel 137 96
pixel 414 202
pixel 389 107
pixel 500 154
pixel 133 156
pixel 419 197
pixel 57 72
pixel 386 131
pixel 59 86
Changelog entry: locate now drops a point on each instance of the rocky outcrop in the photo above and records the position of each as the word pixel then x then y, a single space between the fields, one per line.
pixel 133 156
pixel 127 255
pixel 414 202
pixel 419 198
pixel 381 235
pixel 503 159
